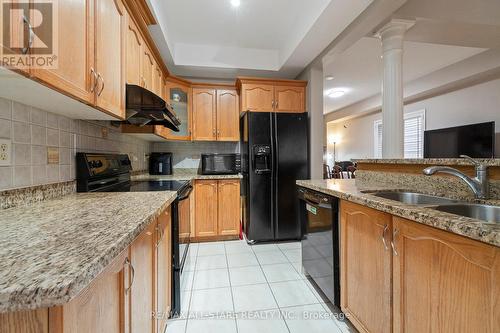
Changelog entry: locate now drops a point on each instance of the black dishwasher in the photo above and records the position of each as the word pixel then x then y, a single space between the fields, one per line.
pixel 319 216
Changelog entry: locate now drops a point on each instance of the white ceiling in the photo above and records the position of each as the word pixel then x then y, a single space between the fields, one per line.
pixel 445 33
pixel 204 38
pixel 358 71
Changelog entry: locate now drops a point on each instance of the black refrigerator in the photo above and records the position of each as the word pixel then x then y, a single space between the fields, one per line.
pixel 274 154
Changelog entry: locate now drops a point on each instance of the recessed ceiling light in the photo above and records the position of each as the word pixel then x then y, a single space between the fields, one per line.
pixel 235 3
pixel 328 77
pixel 336 93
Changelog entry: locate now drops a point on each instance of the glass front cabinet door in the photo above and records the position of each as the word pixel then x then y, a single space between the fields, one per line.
pixel 179 97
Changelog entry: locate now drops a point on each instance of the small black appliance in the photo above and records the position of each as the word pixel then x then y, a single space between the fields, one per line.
pixel 160 164
pixel 220 164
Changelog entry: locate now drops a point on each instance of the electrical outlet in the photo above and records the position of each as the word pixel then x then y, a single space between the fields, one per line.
pixel 5 152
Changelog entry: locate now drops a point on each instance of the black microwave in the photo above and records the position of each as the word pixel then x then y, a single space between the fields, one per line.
pixel 220 164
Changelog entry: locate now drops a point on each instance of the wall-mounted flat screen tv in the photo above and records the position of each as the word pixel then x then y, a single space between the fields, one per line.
pixel 476 140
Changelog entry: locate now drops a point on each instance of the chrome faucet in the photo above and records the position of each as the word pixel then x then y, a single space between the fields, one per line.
pixel 478 184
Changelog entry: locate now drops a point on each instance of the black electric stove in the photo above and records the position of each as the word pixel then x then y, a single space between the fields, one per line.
pixel 111 173
pixel 153 185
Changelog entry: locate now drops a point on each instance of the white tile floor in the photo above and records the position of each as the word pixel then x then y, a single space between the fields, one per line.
pixel 232 287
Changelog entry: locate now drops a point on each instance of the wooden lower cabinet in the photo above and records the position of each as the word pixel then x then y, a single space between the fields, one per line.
pixel 365 267
pixel 425 280
pixel 443 282
pixel 228 212
pixel 185 219
pixel 102 307
pixel 163 270
pixel 217 208
pixel 205 208
pixel 142 303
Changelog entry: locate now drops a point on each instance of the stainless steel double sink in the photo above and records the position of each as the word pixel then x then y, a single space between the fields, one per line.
pixel 486 213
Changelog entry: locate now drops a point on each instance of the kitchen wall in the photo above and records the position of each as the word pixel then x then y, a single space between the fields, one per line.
pixel 479 103
pixel 32 131
pixel 187 154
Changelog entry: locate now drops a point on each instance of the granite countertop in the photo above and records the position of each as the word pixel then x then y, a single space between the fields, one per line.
pixel 184 174
pixel 53 249
pixel 492 162
pixel 349 190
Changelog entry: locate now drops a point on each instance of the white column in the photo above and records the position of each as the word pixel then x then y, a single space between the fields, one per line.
pixel 392 36
pixel 315 99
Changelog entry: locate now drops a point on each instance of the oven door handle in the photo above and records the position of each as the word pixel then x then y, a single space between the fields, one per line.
pixel 309 201
pixel 186 193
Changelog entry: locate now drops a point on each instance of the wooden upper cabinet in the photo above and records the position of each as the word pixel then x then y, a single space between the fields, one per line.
pixel 179 96
pixel 366 267
pixel 110 55
pixel 147 68
pixel 142 258
pixel 17 30
pixel 228 207
pixel 163 268
pixel 228 115
pixel 267 95
pixel 257 97
pixel 157 80
pixel 289 99
pixel 444 282
pixel 135 44
pixel 205 208
pixel 75 72
pixel 204 114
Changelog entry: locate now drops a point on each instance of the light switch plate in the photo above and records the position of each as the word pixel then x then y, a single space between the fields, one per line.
pixel 5 152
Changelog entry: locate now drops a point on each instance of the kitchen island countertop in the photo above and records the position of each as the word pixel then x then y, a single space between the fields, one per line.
pixel 52 250
pixel 350 190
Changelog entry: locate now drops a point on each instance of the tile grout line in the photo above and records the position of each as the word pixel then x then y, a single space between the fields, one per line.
pixel 231 288
pixel 272 293
pixel 191 290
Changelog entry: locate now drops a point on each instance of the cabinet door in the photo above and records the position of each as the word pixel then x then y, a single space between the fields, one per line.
pixel 14 42
pixel 229 207
pixel 205 208
pixel 147 68
pixel 163 270
pixel 134 54
pixel 179 97
pixel 204 117
pixel 366 267
pixel 184 220
pixel 142 258
pixel 157 80
pixel 289 99
pixel 257 97
pixel 228 126
pixel 75 72
pixel 444 282
pixel 102 307
pixel 110 55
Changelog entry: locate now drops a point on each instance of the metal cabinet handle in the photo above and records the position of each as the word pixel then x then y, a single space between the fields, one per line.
pixel 272 104
pixel 213 131
pixel 383 237
pixel 276 104
pixel 128 263
pixel 99 76
pixel 31 34
pixel 393 241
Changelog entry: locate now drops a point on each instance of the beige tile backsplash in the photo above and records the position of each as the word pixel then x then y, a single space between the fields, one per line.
pixel 32 131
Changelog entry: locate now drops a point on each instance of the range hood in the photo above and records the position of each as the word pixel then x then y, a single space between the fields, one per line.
pixel 146 108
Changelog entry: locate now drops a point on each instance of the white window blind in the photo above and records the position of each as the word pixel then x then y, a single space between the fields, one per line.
pixel 414 127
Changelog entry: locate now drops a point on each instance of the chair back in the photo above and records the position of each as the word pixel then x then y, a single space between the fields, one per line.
pixel 337 172
pixel 351 172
